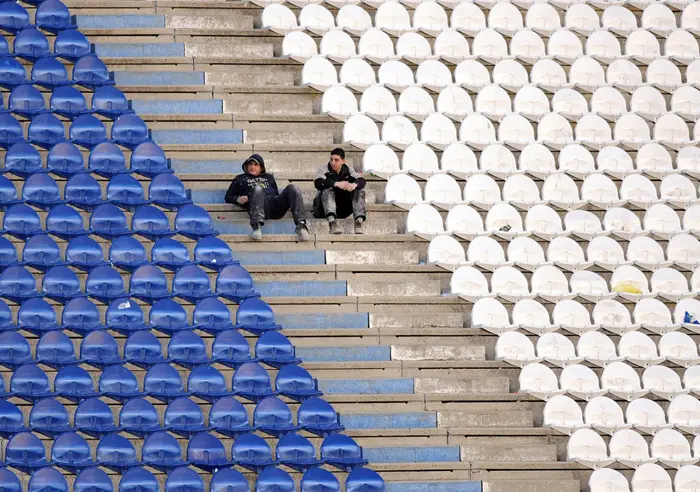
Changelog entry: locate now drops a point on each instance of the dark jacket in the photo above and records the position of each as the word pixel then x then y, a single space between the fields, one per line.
pixel 243 184
pixel 325 177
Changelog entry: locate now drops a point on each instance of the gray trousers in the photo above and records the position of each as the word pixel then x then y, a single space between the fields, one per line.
pixel 333 202
pixel 262 206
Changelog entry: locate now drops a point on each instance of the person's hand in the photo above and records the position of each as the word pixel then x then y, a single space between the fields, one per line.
pixel 351 187
pixel 343 185
pixel 242 200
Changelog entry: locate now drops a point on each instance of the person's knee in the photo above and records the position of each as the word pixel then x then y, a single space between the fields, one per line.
pixel 294 188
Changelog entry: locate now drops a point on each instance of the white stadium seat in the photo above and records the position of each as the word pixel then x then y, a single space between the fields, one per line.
pixel 467 18
pixel 572 317
pixel 659 19
pixel 378 103
pixel 597 349
pixel 623 223
pixel 357 74
pixel 451 46
pixel 624 75
pixel 393 18
pixel 567 254
pixel 587 74
pixel 570 103
pixel 446 251
pixel 278 18
pixel 603 46
pixel 654 160
pixel 538 161
pixel 462 220
pixel 516 132
pixel 621 380
pixel 454 102
pixel 380 160
pixel 591 287
pixel 430 18
pixel 339 102
pixel 459 160
pixel 531 103
pixel 646 416
pixel 607 480
pixel 489 314
pixel 558 350
pixel 486 253
pixel 316 18
pixel 664 75
pixel 359 130
pixel 515 349
pixel 470 284
pixel 376 45
pixel 526 253
pixel 498 161
pixel 477 132
pixel 533 317
pixel 642 46
pixel 510 284
pixel 583 224
pixel 353 19
pixel 576 160
pixel 581 18
pixel 554 131
pixel 504 221
pixel 542 18
pixel 632 131
pixel 606 253
pixel 400 133
pixel 540 381
pixel 443 191
pixel 416 103
pixel 490 46
pixel 413 47
pixel 619 20
pixel 651 477
pixel 544 222
pixel 629 447
pixel 299 46
pixel 548 75
pixel 425 221
pixel 319 73
pixel 563 414
pixel 686 102
pixel 438 131
pixel 630 283
pixel 639 191
pixel 679 348
pixel 550 284
pixel 684 413
pixel 434 75
pixel 663 382
pixel 608 103
pixel 605 415
pixel 580 381
pixel 510 75
pixel 402 189
pixel 564 46
pixel 687 478
pixel 654 316
pixel 527 46
pixel 505 18
pixel 648 103
pixel 613 316
pixel 337 45
pixel 587 448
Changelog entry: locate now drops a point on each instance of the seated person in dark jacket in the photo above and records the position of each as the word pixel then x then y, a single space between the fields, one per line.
pixel 256 191
pixel 340 193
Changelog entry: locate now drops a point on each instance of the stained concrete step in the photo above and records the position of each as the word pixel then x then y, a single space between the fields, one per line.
pixel 177 107
pixel 508 450
pixel 136 50
pixel 201 21
pixel 174 78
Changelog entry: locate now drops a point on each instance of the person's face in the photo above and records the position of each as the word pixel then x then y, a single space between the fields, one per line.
pixel 336 162
pixel 254 168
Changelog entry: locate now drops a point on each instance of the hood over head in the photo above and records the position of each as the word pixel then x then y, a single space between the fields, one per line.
pixel 257 158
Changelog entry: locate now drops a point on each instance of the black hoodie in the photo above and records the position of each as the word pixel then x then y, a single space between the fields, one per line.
pixel 243 184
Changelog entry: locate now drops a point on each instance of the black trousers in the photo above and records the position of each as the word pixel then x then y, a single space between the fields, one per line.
pixel 340 204
pixel 262 206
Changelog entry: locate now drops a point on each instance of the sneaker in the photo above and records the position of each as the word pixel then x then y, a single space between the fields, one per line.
pixel 303 232
pixel 256 235
pixel 359 228
pixel 333 227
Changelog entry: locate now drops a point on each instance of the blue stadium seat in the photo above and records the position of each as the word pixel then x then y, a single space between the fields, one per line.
pixel 187 349
pixel 12 73
pixel 47 479
pixel 9 481
pixel 61 284
pixel 72 45
pixel 274 480
pixel 274 417
pixel 318 417
pixel 65 160
pixel 104 284
pixel 235 283
pixel 10 129
pixel 8 254
pixel 184 479
pixel 212 252
pixel 319 480
pixel 26 453
pixel 84 253
pixel 255 316
pixel 207 383
pixel 342 452
pixel 65 222
pixel 92 480
pixel 252 382
pixel 364 480
pixel 184 418
pixel 46 130
pixel 129 131
pixel 147 159
pixel 8 193
pixel 126 192
pixel 225 480
pixel 110 102
pixel 83 191
pixel 65 100
pixel 106 159
pixel 229 417
pixel 23 160
pixel 3 392
pixel 41 252
pixel 125 316
pixel 207 453
pixel 151 223
pixel 127 253
pixel 37 316
pixel 194 222
pixel 53 16
pixel 119 383
pixel 138 480
pixel 41 191
pixel 26 101
pixel 149 284
pixel 297 452
pixel 191 283
pixel 108 221
pixel 71 452
pixel 212 316
pixel 13 17
pixel 170 254
pixel 91 72
pixel 139 417
pixel 116 453
pixel 94 418
pixel 50 73
pixel 163 383
pixel 4 48
pixel 74 384
pixel 162 452
pixel 274 349
pixel 252 452
pixel 21 222
pixel 167 191
pixel 14 350
pixel 50 418
pixel 31 44
pixel 87 131
pixel 81 316
pixel 11 422
pixel 17 284
pixel 55 349
pixel 100 349
pixel 143 349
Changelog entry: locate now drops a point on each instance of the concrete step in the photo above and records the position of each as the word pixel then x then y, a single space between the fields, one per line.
pixel 159 78
pixel 208 137
pixel 137 50
pixel 272 103
pixel 177 107
pixel 316 226
pixel 508 450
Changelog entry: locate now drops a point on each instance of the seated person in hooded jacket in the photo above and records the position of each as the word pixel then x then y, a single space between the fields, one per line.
pixel 256 190
pixel 340 193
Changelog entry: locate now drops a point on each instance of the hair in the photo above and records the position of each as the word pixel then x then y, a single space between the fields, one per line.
pixel 339 152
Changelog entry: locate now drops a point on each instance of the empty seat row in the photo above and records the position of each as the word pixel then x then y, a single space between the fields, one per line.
pixel 618 379
pixel 634 347
pixel 605 415
pixel 52 16
pixel 647 476
pixel 538 161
